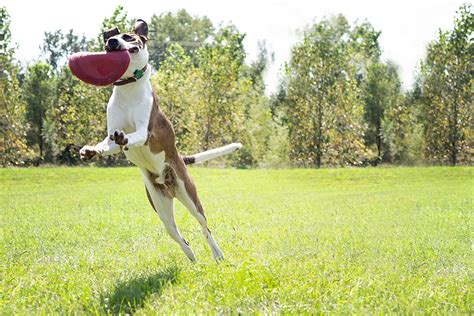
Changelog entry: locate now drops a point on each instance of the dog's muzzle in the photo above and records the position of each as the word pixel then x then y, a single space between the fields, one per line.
pixel 112 45
pixel 134 50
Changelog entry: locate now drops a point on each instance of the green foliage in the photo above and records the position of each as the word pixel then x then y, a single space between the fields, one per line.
pixel 266 141
pixel 180 28
pixel 177 85
pixel 322 105
pixel 57 47
pixel 219 99
pixel 223 88
pixel 13 126
pixel 337 241
pixel 447 81
pixel 119 19
pixel 365 48
pixel 7 48
pixel 337 102
pixel 38 94
pixel 380 92
pixel 402 131
pixel 257 68
pixel 79 115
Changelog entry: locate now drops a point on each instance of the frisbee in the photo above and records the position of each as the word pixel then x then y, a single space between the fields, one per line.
pixel 99 69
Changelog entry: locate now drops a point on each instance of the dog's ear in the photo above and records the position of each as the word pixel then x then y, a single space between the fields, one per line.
pixel 109 33
pixel 141 29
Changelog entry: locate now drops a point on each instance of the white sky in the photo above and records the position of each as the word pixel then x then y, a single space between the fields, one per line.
pixel 407 25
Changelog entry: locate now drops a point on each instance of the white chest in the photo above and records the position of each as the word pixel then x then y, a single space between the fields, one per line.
pixel 129 111
pixel 129 106
pixel 142 157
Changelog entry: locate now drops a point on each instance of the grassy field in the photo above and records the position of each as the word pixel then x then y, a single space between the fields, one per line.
pixel 85 240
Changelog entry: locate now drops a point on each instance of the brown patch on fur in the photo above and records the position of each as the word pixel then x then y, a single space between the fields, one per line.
pixel 133 38
pixel 160 132
pixel 168 188
pixel 192 192
pixel 109 33
pixel 161 137
pixel 141 29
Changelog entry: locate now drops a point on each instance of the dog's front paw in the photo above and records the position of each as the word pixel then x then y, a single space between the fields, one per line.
pixel 88 152
pixel 119 138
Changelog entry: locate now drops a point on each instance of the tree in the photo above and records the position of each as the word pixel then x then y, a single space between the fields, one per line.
pixel 178 86
pixel 179 28
pixel 79 114
pixel 119 19
pixel 402 131
pixel 257 68
pixel 381 90
pixel 218 99
pixel 57 47
pixel 38 94
pixel 322 105
pixel 13 126
pixel 265 139
pixel 447 81
pixel 365 49
pixel 223 88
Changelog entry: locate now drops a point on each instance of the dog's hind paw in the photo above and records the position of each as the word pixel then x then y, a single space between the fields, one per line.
pixel 119 138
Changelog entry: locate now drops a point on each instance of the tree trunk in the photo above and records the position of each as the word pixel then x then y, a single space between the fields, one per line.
pixel 454 136
pixel 206 136
pixel 318 158
pixel 40 138
pixel 378 139
pixel 41 147
pixel 320 136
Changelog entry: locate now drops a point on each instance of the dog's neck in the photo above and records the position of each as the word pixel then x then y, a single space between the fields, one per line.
pixel 135 89
pixel 137 75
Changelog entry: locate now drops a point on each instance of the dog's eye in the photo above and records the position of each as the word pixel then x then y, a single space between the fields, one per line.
pixel 127 38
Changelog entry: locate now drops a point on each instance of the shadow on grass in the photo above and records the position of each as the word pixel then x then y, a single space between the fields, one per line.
pixel 129 296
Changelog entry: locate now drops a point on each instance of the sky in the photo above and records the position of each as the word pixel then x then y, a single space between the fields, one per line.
pixel 407 26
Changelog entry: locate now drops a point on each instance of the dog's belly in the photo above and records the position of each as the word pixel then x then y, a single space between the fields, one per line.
pixel 142 157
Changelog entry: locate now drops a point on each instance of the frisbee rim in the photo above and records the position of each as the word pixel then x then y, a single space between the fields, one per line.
pixel 80 61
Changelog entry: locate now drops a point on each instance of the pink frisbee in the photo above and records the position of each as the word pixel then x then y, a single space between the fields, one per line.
pixel 99 69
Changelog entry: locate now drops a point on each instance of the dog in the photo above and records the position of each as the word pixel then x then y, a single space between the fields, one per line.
pixel 137 125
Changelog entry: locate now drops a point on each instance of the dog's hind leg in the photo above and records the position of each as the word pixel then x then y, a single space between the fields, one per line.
pixel 163 205
pixel 187 195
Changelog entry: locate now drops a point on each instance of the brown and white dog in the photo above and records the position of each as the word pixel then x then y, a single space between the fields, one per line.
pixel 136 124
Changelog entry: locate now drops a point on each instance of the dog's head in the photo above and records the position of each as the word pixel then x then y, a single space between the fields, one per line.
pixel 134 42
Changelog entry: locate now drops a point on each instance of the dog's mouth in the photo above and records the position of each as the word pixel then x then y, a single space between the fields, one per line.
pixel 133 50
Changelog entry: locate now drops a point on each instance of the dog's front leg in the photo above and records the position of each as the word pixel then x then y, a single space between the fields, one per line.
pixel 137 138
pixel 104 148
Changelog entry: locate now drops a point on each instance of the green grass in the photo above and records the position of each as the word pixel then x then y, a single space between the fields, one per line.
pixel 85 240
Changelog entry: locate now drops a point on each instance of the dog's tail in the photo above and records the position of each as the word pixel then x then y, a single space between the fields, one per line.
pixel 211 154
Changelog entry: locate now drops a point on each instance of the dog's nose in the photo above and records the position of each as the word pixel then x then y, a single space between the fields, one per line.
pixel 112 44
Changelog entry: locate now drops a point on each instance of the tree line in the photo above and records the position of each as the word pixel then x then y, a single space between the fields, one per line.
pixel 337 104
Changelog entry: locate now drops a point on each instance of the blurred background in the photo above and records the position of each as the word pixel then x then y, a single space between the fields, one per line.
pixel 300 83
